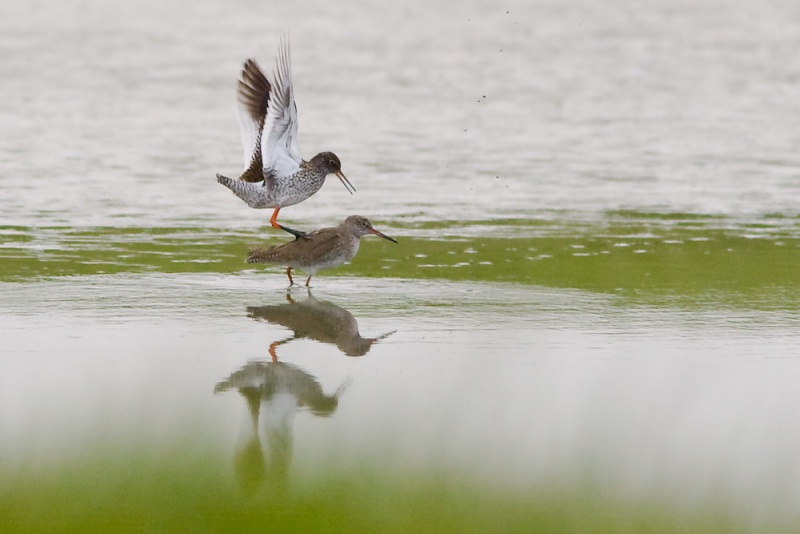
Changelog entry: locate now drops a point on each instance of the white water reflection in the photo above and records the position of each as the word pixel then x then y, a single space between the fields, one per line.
pixel 275 392
pixel 517 386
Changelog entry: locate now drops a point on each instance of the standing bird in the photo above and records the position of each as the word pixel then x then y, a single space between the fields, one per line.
pixel 323 249
pixel 274 174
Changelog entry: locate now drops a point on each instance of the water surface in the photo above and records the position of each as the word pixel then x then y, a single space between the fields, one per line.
pixel 591 317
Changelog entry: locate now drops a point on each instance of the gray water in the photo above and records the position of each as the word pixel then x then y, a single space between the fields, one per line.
pixel 119 114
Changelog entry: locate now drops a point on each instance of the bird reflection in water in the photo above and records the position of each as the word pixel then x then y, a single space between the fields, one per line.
pixel 276 391
pixel 318 320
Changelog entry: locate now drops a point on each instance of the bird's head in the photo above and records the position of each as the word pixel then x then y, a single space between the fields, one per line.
pixel 330 163
pixel 361 226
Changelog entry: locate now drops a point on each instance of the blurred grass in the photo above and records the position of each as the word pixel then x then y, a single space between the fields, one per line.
pixel 180 492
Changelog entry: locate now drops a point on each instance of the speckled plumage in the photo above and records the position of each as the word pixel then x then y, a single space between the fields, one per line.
pixel 273 192
pixel 323 249
pixel 274 174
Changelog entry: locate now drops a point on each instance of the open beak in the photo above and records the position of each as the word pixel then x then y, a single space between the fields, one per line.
pixel 345 182
pixel 374 231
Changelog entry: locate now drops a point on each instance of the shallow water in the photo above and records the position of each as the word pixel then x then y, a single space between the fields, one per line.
pixel 595 289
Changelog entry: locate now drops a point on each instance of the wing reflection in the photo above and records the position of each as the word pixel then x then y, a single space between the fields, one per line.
pixel 314 319
pixel 275 392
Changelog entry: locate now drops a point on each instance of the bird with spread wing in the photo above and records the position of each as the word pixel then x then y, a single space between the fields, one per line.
pixel 275 176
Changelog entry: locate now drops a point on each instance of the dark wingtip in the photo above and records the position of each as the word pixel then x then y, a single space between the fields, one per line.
pixel 254 90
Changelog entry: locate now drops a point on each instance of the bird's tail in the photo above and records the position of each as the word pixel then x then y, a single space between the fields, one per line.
pixel 250 192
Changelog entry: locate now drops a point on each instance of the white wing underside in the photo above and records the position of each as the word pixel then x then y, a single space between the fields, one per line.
pixel 279 138
pixel 251 136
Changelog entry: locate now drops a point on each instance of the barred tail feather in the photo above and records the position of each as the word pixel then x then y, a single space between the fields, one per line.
pixel 253 193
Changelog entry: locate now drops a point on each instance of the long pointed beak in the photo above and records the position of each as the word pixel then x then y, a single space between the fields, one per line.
pixel 374 231
pixel 345 182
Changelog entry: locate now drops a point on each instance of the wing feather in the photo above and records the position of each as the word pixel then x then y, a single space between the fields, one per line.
pixel 279 138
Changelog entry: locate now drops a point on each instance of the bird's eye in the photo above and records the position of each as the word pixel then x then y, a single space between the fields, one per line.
pixel 333 163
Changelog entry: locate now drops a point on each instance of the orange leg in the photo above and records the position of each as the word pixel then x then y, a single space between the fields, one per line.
pixel 273 221
pixel 272 350
pixel 274 345
pixel 289 274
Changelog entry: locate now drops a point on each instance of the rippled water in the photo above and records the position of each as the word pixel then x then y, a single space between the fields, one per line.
pixel 596 286
pixel 482 112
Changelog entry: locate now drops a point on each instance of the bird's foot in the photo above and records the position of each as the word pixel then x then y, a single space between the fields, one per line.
pixel 296 233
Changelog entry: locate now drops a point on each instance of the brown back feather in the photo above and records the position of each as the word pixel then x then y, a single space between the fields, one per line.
pixel 318 245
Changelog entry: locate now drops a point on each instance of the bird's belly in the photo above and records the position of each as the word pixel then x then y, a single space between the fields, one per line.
pixel 313 267
pixel 290 192
pixel 321 265
pixel 341 254
pixel 259 198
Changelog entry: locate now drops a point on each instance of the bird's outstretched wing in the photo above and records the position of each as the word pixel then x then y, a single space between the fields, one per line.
pixel 253 98
pixel 279 134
